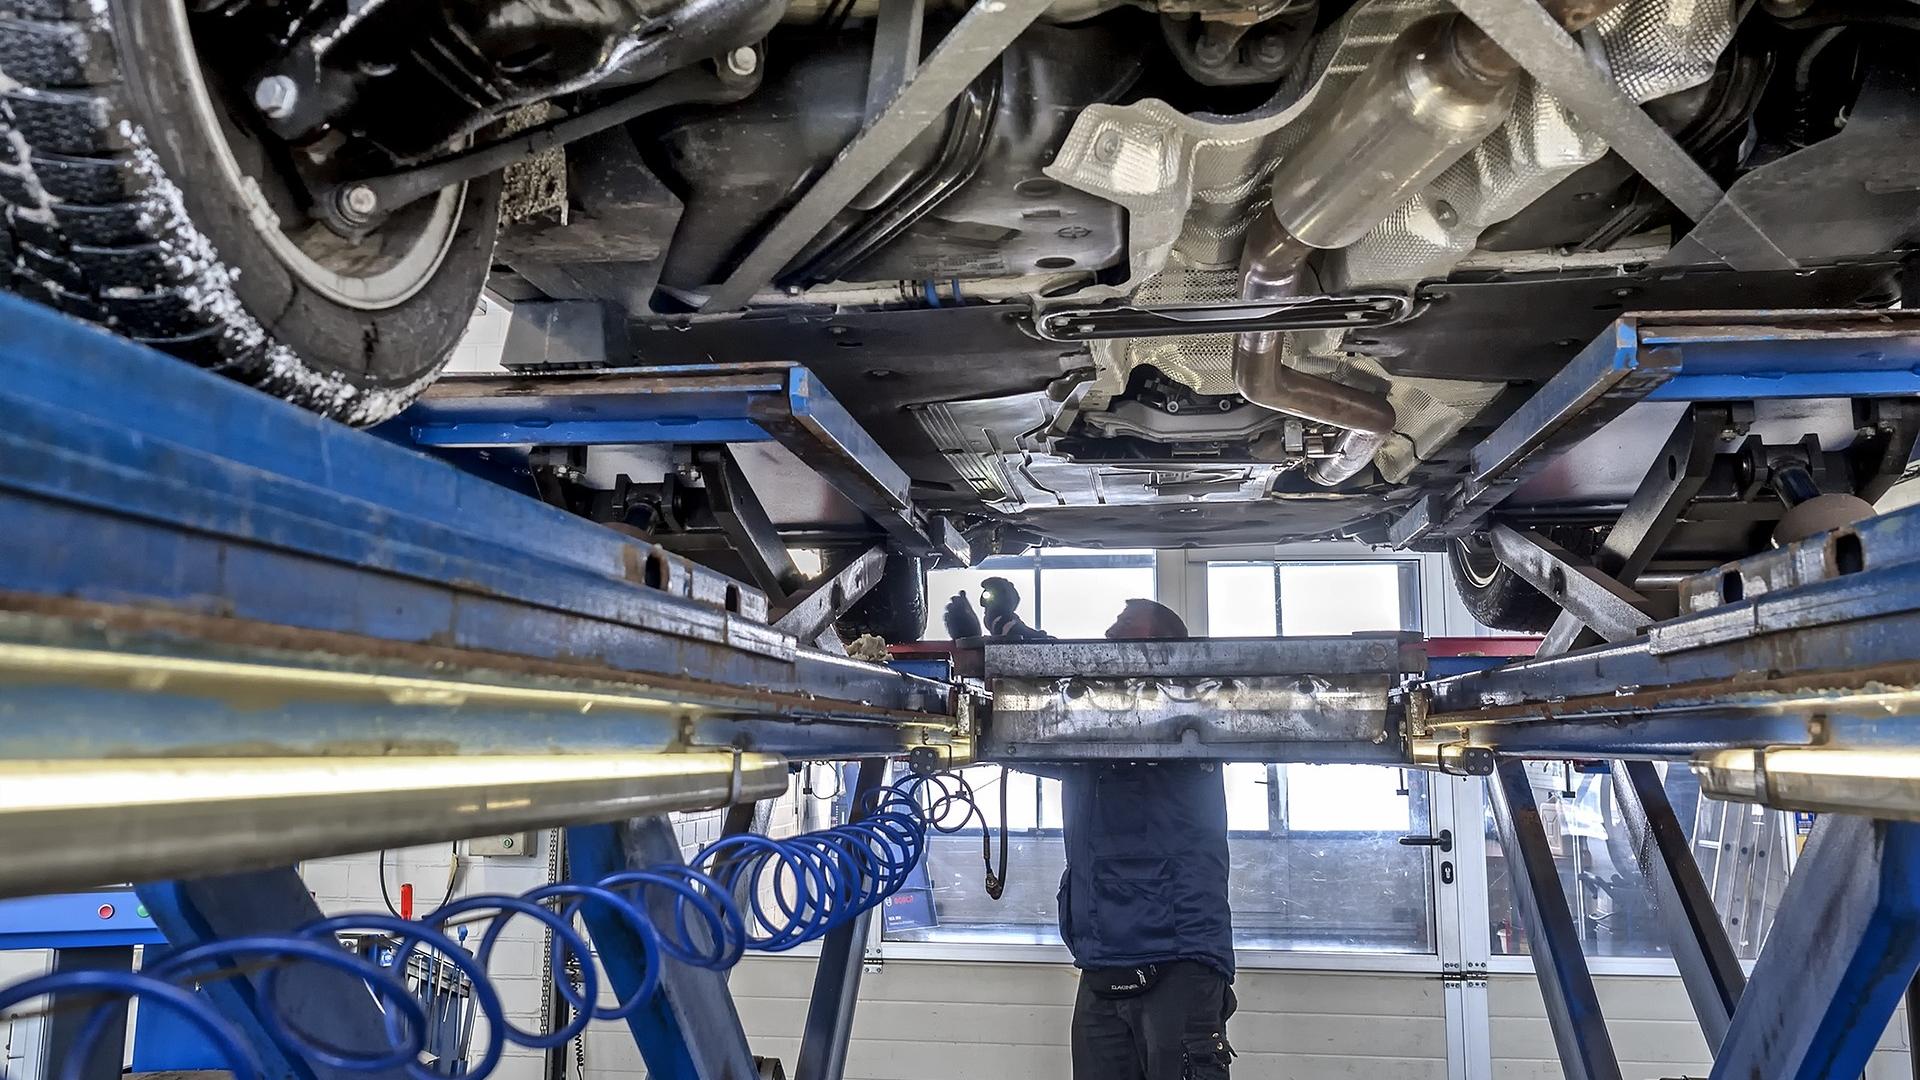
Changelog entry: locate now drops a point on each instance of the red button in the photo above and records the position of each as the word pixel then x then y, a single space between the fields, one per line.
pixel 106 911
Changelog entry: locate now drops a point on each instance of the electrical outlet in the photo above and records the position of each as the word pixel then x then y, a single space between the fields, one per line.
pixel 508 845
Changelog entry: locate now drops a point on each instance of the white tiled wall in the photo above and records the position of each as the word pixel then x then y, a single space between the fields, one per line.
pixel 352 883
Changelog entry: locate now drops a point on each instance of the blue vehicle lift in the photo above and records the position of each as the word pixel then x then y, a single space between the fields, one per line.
pixel 233 635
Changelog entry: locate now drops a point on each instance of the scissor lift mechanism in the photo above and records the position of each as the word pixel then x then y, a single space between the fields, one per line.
pixel 233 635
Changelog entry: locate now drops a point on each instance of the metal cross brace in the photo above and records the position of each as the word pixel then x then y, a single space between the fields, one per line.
pixel 328 1005
pixel 1844 945
pixel 836 982
pixel 1679 471
pixel 690 1029
pixel 1698 939
pixel 1587 594
pixel 1573 1008
pixel 810 613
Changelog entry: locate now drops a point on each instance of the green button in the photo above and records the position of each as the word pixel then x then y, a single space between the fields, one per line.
pixel 141 911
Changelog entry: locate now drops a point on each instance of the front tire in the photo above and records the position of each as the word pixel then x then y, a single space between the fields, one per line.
pixel 1495 595
pixel 896 608
pixel 133 196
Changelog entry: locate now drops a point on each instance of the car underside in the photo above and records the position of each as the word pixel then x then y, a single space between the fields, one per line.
pixel 1093 272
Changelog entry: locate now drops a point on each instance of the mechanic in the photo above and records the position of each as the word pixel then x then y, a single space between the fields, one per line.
pixel 1143 901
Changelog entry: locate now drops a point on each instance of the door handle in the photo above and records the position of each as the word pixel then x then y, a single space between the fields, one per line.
pixel 1444 841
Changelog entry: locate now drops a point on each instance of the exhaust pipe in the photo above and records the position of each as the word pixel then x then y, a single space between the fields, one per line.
pixel 1272 266
pixel 1427 99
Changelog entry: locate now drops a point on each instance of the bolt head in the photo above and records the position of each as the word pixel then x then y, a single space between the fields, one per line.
pixel 275 96
pixel 743 61
pixel 361 199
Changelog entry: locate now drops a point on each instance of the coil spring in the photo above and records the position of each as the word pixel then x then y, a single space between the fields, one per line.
pixel 796 890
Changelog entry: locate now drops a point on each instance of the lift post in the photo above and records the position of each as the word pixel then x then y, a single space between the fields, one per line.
pixel 1843 949
pixel 1707 963
pixel 333 1005
pixel 690 1029
pixel 1573 1008
pixel 836 982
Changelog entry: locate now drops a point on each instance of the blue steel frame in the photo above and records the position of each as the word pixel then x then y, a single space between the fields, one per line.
pixel 459 412
pixel 1769 667
pixel 1772 669
pixel 231 506
pixel 1812 648
pixel 243 528
pixel 689 1029
pixel 222 524
pixel 1844 947
pixel 72 921
pixel 1579 1027
pixel 332 1005
pixel 71 925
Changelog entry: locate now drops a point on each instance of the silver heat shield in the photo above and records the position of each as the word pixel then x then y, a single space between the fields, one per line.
pixel 1191 183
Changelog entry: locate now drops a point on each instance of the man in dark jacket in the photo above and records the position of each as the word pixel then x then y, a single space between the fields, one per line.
pixel 1143 903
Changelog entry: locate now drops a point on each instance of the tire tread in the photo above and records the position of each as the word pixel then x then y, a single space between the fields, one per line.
pixel 83 228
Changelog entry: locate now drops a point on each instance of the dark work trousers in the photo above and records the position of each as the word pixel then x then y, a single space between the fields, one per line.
pixel 1174 1031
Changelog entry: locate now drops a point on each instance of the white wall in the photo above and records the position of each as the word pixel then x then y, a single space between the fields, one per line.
pixel 20 1039
pixel 927 1020
pixel 1654 1032
pixel 352 883
pixel 931 1020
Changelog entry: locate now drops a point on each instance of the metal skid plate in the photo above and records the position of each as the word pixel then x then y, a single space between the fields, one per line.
pixel 1292 699
pixel 1534 324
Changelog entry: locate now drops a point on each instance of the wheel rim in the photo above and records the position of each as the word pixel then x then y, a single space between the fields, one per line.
pixel 1476 559
pixel 385 269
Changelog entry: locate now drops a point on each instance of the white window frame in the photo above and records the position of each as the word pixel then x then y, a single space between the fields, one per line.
pixel 1181 584
pixel 1462 919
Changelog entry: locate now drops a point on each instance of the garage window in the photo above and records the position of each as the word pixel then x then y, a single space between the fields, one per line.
pixel 1745 854
pixel 1067 592
pixel 1316 861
